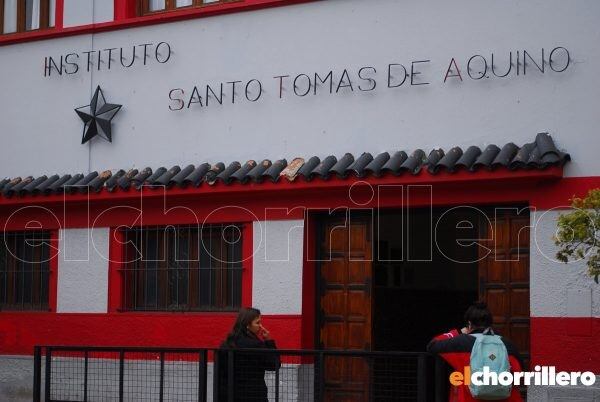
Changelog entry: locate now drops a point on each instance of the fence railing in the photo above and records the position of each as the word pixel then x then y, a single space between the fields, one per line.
pixel 72 374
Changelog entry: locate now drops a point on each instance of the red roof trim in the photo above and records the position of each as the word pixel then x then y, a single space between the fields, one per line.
pixel 422 178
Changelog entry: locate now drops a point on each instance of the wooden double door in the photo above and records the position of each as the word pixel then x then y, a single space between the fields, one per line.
pixel 345 302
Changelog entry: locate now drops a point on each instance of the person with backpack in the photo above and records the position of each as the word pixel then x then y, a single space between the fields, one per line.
pixel 476 345
pixel 248 367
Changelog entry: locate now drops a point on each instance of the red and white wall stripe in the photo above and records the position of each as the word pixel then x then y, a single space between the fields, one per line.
pixel 565 303
pixel 278 277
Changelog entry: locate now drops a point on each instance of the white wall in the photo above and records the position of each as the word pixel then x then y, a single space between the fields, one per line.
pixel 277 266
pixel 558 289
pixel 309 38
pixel 84 12
pixel 83 271
pixel 564 394
pixel 38 134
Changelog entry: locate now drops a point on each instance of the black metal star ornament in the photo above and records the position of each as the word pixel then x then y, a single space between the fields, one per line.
pixel 97 117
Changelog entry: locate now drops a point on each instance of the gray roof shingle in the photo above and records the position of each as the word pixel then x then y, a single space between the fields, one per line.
pixel 540 154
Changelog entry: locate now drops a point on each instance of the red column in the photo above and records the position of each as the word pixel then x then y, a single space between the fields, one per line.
pixel 114 265
pixel 53 280
pixel 60 12
pixel 247 252
pixel 125 9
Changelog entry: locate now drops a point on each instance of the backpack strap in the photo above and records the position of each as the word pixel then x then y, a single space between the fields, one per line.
pixel 488 331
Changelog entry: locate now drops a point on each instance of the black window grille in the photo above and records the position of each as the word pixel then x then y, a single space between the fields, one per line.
pixel 182 268
pixel 24 270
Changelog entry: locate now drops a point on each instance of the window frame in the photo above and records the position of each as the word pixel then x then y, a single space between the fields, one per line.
pixel 143 6
pixel 127 14
pixel 52 261
pixel 44 22
pixel 119 298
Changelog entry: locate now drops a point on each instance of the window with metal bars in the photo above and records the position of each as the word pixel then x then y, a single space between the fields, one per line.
pixel 26 15
pixel 156 6
pixel 182 268
pixel 24 270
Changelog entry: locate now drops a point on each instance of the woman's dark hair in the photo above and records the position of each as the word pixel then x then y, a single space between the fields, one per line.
pixel 478 315
pixel 244 318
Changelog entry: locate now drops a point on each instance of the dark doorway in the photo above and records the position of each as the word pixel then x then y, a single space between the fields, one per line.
pixel 428 265
pixel 423 277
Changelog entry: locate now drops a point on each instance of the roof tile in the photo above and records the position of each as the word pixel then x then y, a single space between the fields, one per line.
pixel 538 154
pixel 414 162
pixel 274 170
pixel 342 164
pixel 213 172
pixel 506 155
pixel 308 167
pixel 487 157
pixel 449 160
pixel 468 158
pixel 41 188
pixel 256 173
pixel 358 166
pixel 292 169
pixel 57 186
pixel 394 164
pixel 150 180
pixel 374 167
pixel 323 168
pixel 196 177
pixel 241 174
pixel 112 182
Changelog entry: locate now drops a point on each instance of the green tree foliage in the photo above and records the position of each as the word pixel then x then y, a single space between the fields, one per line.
pixel 578 234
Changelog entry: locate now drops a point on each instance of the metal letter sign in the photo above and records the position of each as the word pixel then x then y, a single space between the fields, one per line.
pixel 97 117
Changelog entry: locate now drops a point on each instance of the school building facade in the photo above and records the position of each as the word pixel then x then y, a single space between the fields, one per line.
pixel 359 171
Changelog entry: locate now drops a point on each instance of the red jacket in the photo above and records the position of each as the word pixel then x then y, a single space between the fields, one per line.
pixel 455 349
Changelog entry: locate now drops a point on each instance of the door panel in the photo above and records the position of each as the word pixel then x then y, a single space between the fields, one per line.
pixel 504 275
pixel 345 301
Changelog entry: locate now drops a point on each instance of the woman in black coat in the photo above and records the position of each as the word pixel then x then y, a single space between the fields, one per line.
pixel 249 368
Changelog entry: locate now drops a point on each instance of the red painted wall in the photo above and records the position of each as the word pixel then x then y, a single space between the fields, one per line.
pixel 570 344
pixel 566 343
pixel 20 332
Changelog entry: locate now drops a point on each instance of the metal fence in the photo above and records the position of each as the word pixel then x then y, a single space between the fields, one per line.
pixel 167 374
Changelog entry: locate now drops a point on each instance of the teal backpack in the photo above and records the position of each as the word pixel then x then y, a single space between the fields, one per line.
pixel 490 351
